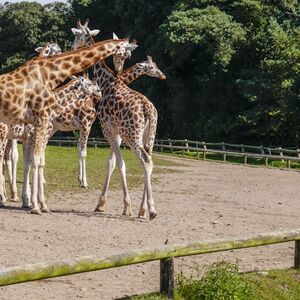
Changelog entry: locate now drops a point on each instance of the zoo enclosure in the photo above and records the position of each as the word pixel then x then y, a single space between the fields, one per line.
pixel 165 254
pixel 224 149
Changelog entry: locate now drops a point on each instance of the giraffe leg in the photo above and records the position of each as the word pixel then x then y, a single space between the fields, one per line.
pixel 3 142
pixel 143 207
pixel 14 160
pixel 110 166
pixel 84 134
pixel 7 166
pixel 147 164
pixel 27 158
pixel 38 163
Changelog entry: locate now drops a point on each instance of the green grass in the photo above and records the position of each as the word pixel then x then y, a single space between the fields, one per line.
pixel 234 159
pixel 222 281
pixel 62 168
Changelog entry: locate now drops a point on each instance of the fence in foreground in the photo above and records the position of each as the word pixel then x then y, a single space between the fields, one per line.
pixel 165 254
pixel 203 148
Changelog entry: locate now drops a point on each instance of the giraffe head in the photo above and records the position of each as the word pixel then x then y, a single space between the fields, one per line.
pixel 90 87
pixel 50 49
pixel 84 36
pixel 121 55
pixel 150 68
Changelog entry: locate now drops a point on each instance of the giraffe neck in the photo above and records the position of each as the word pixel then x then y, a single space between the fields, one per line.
pixel 72 88
pixel 104 76
pixel 131 74
pixel 63 66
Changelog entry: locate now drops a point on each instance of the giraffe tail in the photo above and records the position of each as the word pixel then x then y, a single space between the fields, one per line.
pixel 150 128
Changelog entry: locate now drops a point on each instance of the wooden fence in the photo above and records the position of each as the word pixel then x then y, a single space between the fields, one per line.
pixel 224 149
pixel 165 254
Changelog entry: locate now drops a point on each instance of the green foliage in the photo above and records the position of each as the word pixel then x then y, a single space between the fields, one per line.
pixel 27 25
pixel 232 66
pixel 221 281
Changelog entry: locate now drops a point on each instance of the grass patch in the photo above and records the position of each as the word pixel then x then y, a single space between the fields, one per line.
pixel 223 281
pixel 61 170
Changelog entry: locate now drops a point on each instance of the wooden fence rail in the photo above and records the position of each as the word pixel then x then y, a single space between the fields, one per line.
pixel 165 254
pixel 225 149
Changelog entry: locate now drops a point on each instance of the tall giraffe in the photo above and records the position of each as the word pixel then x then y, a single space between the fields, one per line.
pixel 26 96
pixel 126 115
pixel 10 154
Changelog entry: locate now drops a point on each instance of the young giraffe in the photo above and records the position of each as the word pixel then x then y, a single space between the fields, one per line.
pixel 11 155
pixel 148 67
pixel 126 115
pixel 26 96
pixel 75 110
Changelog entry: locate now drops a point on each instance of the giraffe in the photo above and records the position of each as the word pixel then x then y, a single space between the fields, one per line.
pixel 11 155
pixel 75 110
pixel 127 115
pixel 26 96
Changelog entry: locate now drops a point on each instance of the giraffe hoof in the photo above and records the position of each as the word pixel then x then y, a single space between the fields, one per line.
pixel 142 216
pixel 46 210
pixel 152 216
pixel 36 211
pixel 26 206
pixel 14 199
pixel 100 209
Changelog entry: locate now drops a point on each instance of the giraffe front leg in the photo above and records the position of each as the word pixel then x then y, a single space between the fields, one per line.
pixel 3 142
pixel 14 160
pixel 38 162
pixel 84 134
pixel 27 158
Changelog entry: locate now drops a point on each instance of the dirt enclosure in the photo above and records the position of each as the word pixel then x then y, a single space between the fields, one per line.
pixel 199 200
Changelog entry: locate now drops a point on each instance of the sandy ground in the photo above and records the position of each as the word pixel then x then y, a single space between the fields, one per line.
pixel 200 201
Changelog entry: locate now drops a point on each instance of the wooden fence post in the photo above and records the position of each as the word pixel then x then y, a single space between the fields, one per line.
pixel 167 277
pixel 297 255
pixel 224 149
pixel 281 153
pixel 187 145
pixel 170 144
pixel 204 152
pixel 197 146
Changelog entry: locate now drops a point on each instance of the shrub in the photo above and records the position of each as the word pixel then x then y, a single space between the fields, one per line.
pixel 222 281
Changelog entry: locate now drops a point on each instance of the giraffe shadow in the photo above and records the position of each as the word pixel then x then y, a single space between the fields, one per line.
pixel 15 208
pixel 98 215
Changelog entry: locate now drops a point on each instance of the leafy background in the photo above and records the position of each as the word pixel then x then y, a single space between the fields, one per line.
pixel 232 66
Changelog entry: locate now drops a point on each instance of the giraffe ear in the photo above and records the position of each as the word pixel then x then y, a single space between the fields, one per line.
pixel 76 31
pixel 94 32
pixel 38 49
pixel 131 47
pixel 73 77
pixel 115 36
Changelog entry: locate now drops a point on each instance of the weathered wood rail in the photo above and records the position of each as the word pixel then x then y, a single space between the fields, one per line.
pixel 224 149
pixel 165 254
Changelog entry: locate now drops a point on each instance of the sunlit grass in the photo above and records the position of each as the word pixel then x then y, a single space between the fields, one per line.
pixel 61 171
